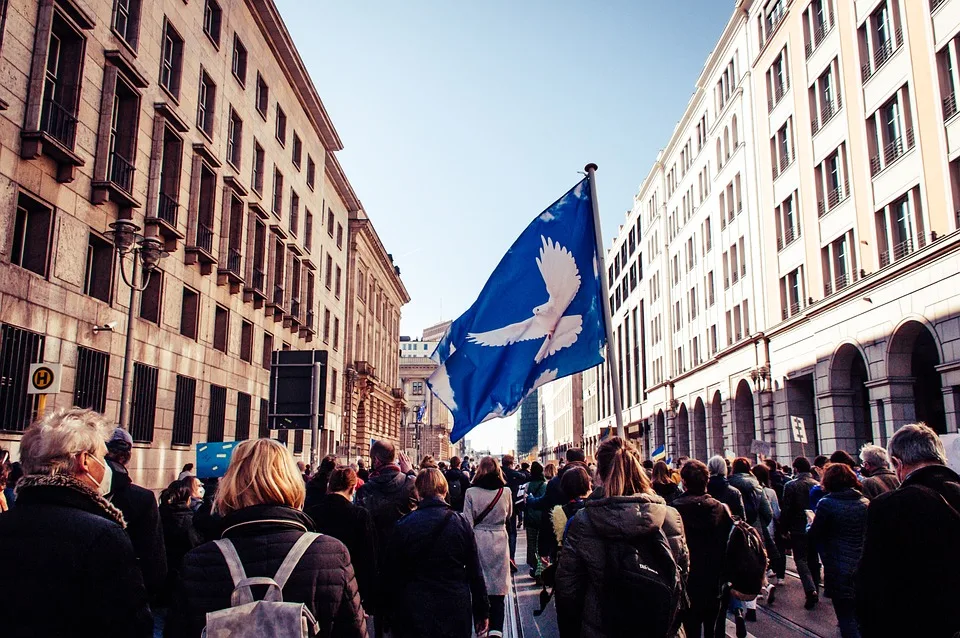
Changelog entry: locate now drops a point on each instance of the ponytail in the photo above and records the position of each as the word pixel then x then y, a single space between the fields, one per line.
pixel 620 469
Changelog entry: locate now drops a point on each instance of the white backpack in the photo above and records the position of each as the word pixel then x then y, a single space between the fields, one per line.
pixel 247 618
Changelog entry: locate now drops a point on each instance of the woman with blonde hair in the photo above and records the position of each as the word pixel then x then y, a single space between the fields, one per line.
pixel 612 545
pixel 488 506
pixel 263 527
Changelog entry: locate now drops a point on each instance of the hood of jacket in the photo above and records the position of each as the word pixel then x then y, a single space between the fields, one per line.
pixel 264 519
pixel 742 481
pixel 939 478
pixel 388 481
pixel 625 517
pixel 847 494
pixel 700 511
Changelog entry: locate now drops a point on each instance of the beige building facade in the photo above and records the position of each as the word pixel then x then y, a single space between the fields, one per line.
pixel 425 417
pixel 199 123
pixel 793 251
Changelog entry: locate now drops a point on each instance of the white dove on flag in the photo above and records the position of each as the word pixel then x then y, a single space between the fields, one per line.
pixel 562 278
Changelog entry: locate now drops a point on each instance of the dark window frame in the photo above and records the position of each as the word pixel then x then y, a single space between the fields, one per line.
pixel 238 62
pixel 143 408
pixel 173 83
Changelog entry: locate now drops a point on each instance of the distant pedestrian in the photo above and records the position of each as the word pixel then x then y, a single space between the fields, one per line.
pixel 663 483
pixel 554 497
pixel 428 461
pixel 576 487
pixel 487 508
pixel 536 488
pixel 186 471
pixel 907 583
pixel 838 531
pixel 69 565
pixel 362 472
pixel 260 499
pixel 140 510
pixel 14 475
pixel 819 463
pixel 457 484
pixel 719 488
pixel 337 516
pixel 515 479
pixel 706 526
pixel 179 537
pixel 435 586
pixel 775 550
pixel 196 490
pixel 879 477
pixel 317 485
pixel 793 514
pixel 600 589
pixel 757 512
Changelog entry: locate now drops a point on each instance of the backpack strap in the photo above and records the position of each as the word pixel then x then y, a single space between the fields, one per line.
pixel 293 557
pixel 482 515
pixel 233 560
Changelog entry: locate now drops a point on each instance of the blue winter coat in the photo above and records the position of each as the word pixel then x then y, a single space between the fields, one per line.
pixel 838 531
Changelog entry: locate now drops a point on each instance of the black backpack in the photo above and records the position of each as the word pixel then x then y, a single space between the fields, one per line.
pixel 455 490
pixel 642 588
pixel 745 563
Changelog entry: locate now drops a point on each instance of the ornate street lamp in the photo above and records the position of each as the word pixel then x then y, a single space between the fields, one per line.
pixel 145 253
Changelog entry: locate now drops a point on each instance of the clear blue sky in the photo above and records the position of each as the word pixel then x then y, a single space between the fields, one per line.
pixel 461 121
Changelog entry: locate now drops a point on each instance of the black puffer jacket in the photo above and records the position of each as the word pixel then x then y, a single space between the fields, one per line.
pixel 263 535
pixel 796 499
pixel 706 526
pixel 838 531
pixel 388 496
pixel 581 574
pixel 69 566
pixel 907 583
pixel 719 488
pixel 179 537
pixel 139 507
pixel 668 491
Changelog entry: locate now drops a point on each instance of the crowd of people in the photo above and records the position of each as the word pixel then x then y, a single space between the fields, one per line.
pixel 628 547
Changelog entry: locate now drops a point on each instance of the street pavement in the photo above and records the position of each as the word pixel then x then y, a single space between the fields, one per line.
pixel 785 619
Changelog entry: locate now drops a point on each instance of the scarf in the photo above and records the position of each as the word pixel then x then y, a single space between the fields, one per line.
pixel 65 481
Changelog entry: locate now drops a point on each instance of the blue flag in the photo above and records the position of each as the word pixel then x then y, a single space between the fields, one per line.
pixel 538 318
pixel 659 454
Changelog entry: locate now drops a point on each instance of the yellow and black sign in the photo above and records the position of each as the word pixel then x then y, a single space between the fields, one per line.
pixel 44 378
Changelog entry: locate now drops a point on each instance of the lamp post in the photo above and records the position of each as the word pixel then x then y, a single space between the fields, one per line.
pixel 145 252
pixel 759 376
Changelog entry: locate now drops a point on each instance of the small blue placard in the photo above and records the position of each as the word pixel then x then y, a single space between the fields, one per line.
pixel 214 457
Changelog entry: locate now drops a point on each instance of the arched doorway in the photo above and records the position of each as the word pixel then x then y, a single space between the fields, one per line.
pixel 699 450
pixel 683 431
pixel 716 425
pixel 914 353
pixel 743 419
pixel 660 434
pixel 851 399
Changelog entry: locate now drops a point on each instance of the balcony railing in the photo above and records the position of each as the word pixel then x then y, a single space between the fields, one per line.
pixel 778 94
pixel 891 152
pixel 882 54
pixel 205 237
pixel 827 111
pixel 819 33
pixel 935 4
pixel 949 106
pixel 790 234
pixel 900 251
pixel 167 209
pixel 234 260
pixel 59 123
pixel 791 310
pixel 121 172
pixel 258 279
pixel 781 163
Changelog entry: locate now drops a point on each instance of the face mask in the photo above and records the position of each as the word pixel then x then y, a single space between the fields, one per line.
pixel 106 484
pixel 201 492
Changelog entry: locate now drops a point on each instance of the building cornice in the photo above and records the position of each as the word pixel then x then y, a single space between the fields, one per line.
pixel 361 224
pixel 334 170
pixel 274 31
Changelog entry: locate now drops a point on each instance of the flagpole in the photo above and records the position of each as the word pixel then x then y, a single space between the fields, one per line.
pixel 591 170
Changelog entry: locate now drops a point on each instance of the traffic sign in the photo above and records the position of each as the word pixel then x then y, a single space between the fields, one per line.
pixel 44 378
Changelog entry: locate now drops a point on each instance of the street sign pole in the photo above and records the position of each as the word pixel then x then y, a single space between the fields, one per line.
pixel 316 405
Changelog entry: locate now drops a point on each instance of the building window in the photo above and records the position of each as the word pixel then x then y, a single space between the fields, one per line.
pixel 143 410
pixel 98 273
pixel 817 21
pixel 168 200
pixel 297 151
pixel 171 64
pixel 264 423
pixel 326 325
pixel 900 228
pixel 18 349
pixel 281 126
pixel 124 131
pixel 212 18
pixel 832 182
pixel 239 64
pixel 221 328
pixel 152 296
pixel 234 139
pixel 337 282
pixel 791 293
pixel 781 148
pixel 256 179
pixel 126 21
pixel 216 419
pixel 336 333
pixel 267 352
pixel 839 267
pixel 787 221
pixel 190 313
pixel 294 212
pixel 277 192
pixel 31 235
pixel 333 387
pixel 778 79
pixel 890 131
pixel 328 277
pixel 246 341
pixel 263 96
pixel 825 101
pixel 62 56
pixel 206 104
pixel 307 230
pixel 330 221
pixel 243 417
pixel 418 387
pixel 880 36
pixel 184 404
pixel 90 387
pixel 340 236
pixel 311 173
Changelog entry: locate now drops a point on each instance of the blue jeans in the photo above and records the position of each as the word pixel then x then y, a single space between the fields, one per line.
pixel 512 536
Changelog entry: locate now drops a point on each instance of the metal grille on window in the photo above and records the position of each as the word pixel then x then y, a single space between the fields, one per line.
pixel 144 409
pixel 18 349
pixel 183 410
pixel 298 442
pixel 90 388
pixel 218 413
pixel 264 421
pixel 243 417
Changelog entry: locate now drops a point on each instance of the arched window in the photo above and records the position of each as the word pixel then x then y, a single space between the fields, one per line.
pixel 736 137
pixel 719 155
pixel 726 143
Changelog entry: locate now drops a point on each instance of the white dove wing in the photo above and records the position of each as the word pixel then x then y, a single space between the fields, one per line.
pixel 526 330
pixel 564 336
pixel 560 273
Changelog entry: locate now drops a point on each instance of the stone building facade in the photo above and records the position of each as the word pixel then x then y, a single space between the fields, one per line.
pixel 198 122
pixel 425 416
pixel 374 399
pixel 793 251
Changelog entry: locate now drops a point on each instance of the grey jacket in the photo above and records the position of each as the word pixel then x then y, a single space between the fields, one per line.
pixel 796 499
pixel 750 487
pixel 879 482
